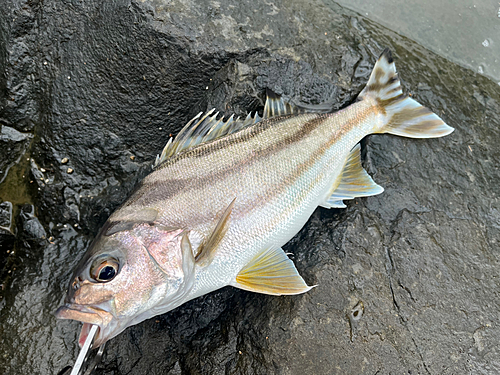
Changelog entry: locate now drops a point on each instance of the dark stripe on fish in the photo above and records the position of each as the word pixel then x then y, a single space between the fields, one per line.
pixel 163 190
pixel 180 184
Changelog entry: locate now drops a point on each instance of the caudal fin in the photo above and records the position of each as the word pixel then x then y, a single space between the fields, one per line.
pixel 403 115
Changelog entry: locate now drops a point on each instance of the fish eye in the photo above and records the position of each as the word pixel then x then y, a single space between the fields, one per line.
pixel 104 270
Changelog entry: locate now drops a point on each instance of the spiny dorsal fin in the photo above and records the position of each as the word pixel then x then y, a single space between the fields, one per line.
pixel 353 182
pixel 207 249
pixel 271 272
pixel 203 129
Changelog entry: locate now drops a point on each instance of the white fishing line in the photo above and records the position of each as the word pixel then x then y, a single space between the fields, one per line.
pixel 85 349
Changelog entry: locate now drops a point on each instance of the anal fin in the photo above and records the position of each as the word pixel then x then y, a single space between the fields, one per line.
pixel 352 182
pixel 271 272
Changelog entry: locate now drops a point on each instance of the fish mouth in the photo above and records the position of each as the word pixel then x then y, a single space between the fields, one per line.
pixel 89 316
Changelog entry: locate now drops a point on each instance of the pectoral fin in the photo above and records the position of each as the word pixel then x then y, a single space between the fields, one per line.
pixel 207 249
pixel 271 272
pixel 188 261
pixel 353 182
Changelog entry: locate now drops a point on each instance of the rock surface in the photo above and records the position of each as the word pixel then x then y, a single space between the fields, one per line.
pixel 7 238
pixel 13 145
pixel 407 281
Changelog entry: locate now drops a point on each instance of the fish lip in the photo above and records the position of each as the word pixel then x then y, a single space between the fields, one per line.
pixel 88 315
pixel 85 314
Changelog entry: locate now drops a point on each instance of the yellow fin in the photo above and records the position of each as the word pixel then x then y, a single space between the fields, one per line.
pixel 206 250
pixel 271 272
pixel 353 182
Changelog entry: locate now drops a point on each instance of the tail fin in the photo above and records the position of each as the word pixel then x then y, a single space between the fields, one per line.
pixel 404 116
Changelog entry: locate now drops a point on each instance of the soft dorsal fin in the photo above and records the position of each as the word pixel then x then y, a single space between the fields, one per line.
pixel 277 106
pixel 271 272
pixel 203 129
pixel 352 182
pixel 207 249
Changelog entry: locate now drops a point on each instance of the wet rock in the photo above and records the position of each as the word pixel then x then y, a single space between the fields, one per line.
pixel 6 235
pixel 7 241
pixel 72 200
pixel 30 226
pixel 6 216
pixel 12 145
pixel 100 83
pixel 37 174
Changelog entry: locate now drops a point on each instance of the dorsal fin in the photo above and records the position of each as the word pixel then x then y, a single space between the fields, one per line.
pixel 277 106
pixel 208 127
pixel 203 129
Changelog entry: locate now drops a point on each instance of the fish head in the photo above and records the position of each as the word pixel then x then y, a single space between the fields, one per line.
pixel 127 276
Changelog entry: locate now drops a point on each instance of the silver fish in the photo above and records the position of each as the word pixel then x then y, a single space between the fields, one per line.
pixel 225 196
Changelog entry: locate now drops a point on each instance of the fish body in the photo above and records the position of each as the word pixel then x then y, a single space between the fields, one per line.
pixel 277 172
pixel 225 196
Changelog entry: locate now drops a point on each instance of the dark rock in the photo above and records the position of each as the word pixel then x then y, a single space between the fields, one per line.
pixel 7 237
pixel 98 82
pixel 13 144
pixel 7 242
pixel 31 228
pixel 6 216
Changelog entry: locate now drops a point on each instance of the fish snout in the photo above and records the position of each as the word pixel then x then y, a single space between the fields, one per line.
pixel 88 316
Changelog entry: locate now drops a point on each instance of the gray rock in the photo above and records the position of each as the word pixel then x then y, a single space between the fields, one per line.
pixel 13 144
pixel 30 226
pixel 98 81
pixel 6 216
pixel 7 237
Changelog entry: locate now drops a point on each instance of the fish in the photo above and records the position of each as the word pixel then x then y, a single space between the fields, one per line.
pixel 225 196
